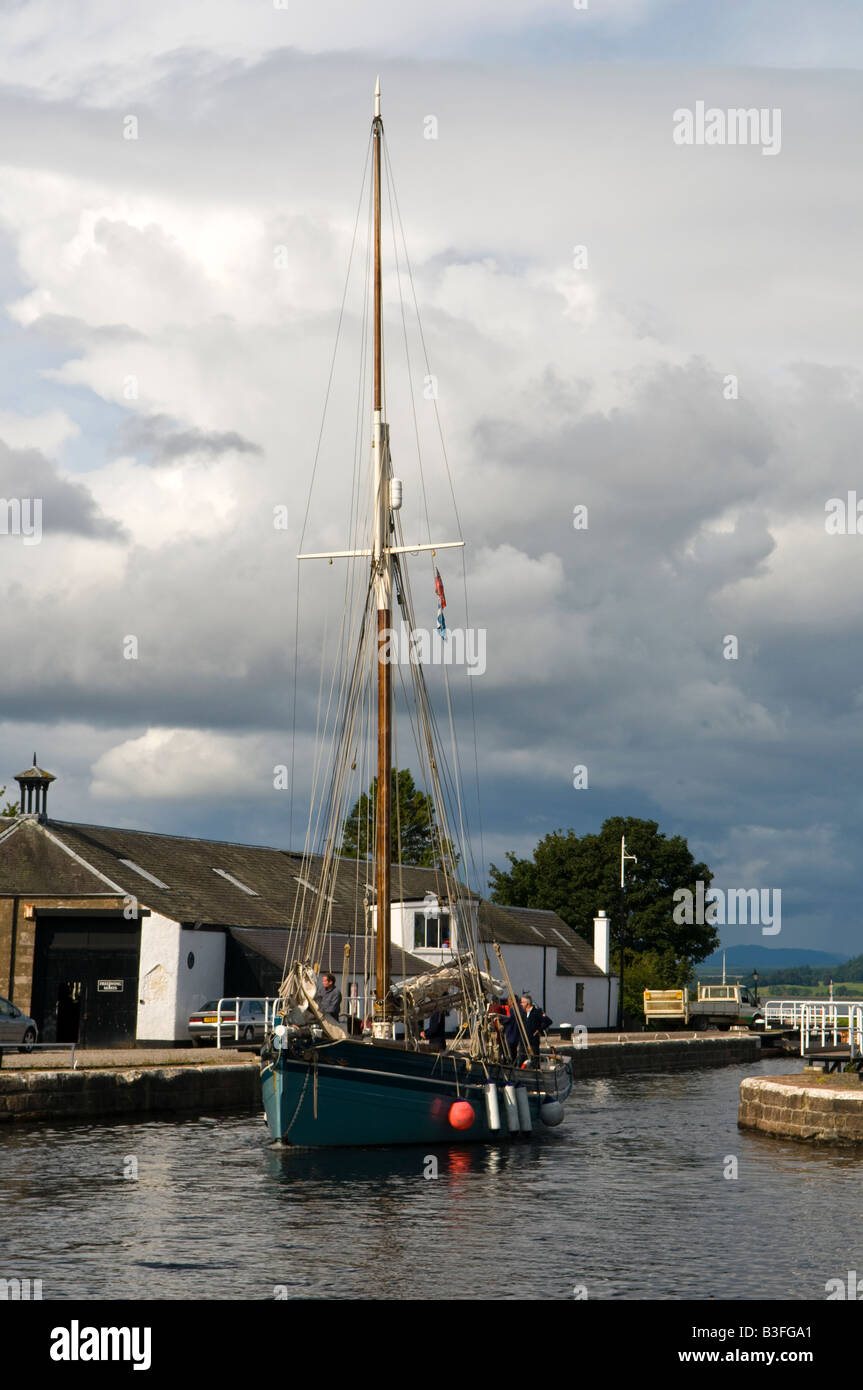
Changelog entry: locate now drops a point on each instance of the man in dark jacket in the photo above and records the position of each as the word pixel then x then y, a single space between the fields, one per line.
pixel 331 1002
pixel 536 1022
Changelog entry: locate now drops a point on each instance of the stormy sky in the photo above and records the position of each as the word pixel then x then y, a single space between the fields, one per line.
pixel 666 335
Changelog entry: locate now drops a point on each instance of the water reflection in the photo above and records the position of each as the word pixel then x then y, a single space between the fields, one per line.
pixel 628 1197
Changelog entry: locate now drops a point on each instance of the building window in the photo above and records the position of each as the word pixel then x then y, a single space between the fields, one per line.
pixel 223 873
pixel 579 999
pixel 136 868
pixel 431 933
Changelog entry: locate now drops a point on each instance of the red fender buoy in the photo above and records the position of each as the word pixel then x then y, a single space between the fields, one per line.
pixel 461 1114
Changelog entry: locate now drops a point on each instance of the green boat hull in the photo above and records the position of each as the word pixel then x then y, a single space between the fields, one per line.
pixel 351 1093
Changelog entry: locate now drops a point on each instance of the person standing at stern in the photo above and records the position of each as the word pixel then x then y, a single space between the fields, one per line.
pixel 331 1002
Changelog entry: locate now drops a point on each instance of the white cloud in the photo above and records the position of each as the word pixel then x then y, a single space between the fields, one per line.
pixel 180 764
pixel 155 260
pixel 47 432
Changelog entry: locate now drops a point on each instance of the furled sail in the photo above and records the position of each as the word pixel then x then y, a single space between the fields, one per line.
pixel 453 986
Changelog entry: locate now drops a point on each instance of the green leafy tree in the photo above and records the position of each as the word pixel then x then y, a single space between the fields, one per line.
pixel 651 970
pixel 575 876
pixel 419 839
pixel 11 807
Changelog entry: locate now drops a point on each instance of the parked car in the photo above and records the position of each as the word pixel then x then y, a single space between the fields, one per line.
pixel 16 1027
pixel 202 1023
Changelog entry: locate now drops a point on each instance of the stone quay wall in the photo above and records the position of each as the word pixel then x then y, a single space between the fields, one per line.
pixel 809 1105
pixel 82 1094
pixel 637 1054
pixel 28 1092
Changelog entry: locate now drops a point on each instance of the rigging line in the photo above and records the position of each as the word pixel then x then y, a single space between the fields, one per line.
pixel 354 523
pixel 400 868
pixel 435 769
pixel 394 197
pixel 390 184
pixel 421 751
pixel 339 776
pixel 452 895
pixel 320 688
pixel 454 754
pixel 343 703
pixel 338 335
pixel 330 799
pixel 312 481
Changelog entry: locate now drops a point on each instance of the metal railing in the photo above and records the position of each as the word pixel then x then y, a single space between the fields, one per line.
pixel 819 1018
pixel 855 1031
pixel 788 1013
pixel 240 1025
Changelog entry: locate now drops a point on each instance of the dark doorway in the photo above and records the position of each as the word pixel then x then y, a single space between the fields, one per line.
pixel 69 1010
pixel 85 980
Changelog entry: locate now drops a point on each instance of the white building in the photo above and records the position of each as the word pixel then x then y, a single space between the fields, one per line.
pixel 111 936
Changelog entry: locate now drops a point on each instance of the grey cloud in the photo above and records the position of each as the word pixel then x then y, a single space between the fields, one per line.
pixel 64 330
pixel 67 506
pixel 161 439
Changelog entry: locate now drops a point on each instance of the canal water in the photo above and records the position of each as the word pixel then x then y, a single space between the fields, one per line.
pixel 629 1199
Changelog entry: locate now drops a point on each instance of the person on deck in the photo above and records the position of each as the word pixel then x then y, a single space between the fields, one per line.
pixel 536 1023
pixel 331 1001
pixel 512 1033
pixel 435 1033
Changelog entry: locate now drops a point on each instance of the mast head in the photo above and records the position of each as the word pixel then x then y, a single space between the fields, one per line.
pixel 378 97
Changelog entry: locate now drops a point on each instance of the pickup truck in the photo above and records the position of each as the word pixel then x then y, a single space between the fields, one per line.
pixel 716 1006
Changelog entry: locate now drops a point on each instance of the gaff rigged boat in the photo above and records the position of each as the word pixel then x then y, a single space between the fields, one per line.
pixel 323 1087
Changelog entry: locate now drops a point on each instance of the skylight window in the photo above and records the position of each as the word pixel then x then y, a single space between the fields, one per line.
pixel 136 868
pixel 304 883
pixel 223 873
pixel 559 933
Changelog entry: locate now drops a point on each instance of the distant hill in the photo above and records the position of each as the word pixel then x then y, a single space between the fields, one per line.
pixel 769 958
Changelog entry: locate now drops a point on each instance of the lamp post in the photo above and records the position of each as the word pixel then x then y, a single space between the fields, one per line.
pixel 623 914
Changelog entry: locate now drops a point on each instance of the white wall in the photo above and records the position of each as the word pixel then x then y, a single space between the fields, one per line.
pixel 525 965
pixel 402 932
pixel 168 989
pixel 157 985
pixel 204 980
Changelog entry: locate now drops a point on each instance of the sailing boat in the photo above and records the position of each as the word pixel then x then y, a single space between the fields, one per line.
pixel 322 1087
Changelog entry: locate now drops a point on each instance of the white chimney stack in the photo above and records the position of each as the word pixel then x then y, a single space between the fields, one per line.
pixel 602 941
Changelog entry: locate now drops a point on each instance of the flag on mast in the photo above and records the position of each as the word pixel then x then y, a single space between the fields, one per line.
pixel 438 588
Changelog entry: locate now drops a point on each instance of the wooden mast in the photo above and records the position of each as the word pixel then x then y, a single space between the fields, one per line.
pixel 383 590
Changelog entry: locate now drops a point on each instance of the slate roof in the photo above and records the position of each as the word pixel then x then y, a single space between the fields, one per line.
pixel 33 860
pixel 58 858
pixel 533 926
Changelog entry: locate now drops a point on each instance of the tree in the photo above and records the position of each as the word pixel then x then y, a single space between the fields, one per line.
pixel 575 877
pixel 420 840
pixel 651 970
pixel 11 808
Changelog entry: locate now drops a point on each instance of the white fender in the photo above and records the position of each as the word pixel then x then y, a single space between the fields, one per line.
pixel 510 1108
pixel 525 1123
pixel 492 1109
